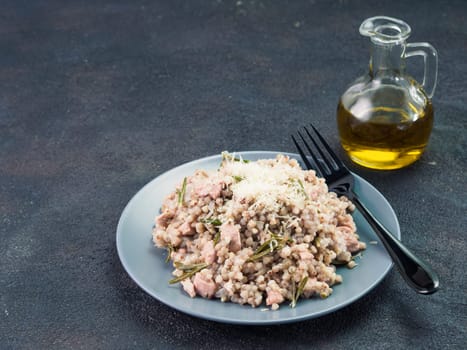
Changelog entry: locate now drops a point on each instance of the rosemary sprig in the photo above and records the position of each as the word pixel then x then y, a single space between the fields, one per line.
pixel 263 249
pixel 181 192
pixel 301 187
pixel 238 178
pixel 271 245
pixel 217 238
pixel 170 250
pixel 300 183
pixel 297 291
pixel 189 270
pixel 212 221
pixel 215 222
pixel 184 267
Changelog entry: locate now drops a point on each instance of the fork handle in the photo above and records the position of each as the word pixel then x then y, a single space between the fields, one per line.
pixel 416 272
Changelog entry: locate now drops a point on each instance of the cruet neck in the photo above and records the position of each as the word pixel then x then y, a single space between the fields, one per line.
pixel 387 59
pixel 388 42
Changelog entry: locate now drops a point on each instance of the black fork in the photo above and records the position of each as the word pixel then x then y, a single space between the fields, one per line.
pixel 340 180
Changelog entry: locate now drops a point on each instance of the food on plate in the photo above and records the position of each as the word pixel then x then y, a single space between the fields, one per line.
pixel 256 231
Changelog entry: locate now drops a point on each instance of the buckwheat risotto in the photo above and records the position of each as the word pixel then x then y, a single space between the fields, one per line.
pixel 256 231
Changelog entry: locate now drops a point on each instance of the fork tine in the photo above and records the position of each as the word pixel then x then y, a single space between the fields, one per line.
pixel 302 154
pixel 336 159
pixel 323 156
pixel 318 166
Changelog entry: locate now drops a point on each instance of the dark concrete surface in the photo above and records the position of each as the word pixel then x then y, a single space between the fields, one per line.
pixel 99 97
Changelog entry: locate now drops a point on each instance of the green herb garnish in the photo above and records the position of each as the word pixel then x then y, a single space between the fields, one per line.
pixel 238 178
pixel 301 187
pixel 212 221
pixel 217 238
pixel 189 270
pixel 170 250
pixel 297 291
pixel 271 245
pixel 181 192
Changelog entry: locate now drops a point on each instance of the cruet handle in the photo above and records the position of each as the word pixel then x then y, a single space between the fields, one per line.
pixel 430 58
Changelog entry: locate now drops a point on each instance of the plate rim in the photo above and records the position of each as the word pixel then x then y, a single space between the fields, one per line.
pixel 126 265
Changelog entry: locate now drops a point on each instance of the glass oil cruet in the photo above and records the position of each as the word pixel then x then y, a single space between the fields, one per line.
pixel 385 118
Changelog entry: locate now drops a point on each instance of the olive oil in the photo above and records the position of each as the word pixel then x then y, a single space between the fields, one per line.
pixel 385 117
pixel 385 137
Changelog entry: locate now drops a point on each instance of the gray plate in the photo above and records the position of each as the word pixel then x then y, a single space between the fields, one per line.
pixel 146 264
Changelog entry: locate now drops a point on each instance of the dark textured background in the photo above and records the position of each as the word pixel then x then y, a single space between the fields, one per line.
pixel 99 97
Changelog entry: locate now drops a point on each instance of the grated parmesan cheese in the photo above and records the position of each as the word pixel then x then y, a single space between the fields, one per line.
pixel 266 186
